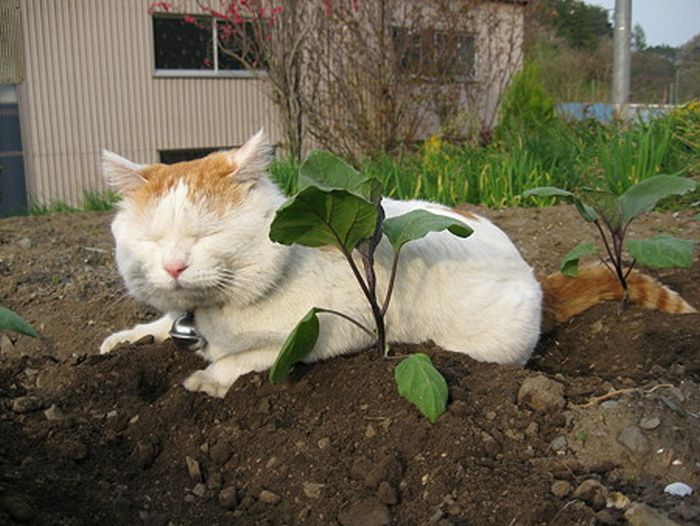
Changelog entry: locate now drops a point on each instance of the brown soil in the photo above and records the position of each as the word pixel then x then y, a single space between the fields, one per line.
pixel 106 439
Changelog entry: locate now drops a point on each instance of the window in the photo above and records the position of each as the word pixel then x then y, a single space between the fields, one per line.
pixel 190 154
pixel 187 45
pixel 433 53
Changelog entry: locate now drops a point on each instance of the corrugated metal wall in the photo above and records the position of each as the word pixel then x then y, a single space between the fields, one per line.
pixel 11 67
pixel 89 85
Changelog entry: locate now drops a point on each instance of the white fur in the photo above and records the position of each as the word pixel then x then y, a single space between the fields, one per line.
pixel 474 295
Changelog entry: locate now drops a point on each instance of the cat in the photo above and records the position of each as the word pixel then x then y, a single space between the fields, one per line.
pixel 193 237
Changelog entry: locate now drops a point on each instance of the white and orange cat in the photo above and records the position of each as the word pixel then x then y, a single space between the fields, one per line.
pixel 193 237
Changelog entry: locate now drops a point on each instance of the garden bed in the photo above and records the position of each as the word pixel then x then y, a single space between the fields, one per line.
pixel 88 439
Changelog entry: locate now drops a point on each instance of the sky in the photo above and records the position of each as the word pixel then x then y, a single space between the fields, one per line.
pixel 671 22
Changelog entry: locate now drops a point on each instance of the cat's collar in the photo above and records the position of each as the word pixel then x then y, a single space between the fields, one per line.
pixel 185 334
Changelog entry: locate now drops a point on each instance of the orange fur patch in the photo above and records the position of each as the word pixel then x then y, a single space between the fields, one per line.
pixel 565 297
pixel 465 213
pixel 208 179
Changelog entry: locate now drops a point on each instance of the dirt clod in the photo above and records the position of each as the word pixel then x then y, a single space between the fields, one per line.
pixel 366 512
pixel 561 488
pixel 633 439
pixel 541 394
pixel 640 514
pixel 17 508
pixel 269 497
pixel 228 497
pixel 27 404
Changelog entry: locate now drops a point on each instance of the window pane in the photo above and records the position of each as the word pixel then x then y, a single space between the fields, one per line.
pixel 182 45
pixel 176 156
pixel 238 41
pixel 407 49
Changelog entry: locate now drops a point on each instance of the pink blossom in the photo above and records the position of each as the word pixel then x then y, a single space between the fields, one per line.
pixel 159 6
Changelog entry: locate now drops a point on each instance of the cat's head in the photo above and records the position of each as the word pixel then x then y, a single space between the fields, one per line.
pixel 194 233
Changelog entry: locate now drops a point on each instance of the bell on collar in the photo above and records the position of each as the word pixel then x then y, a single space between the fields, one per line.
pixel 185 334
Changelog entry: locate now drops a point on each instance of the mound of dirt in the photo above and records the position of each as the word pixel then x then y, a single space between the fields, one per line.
pixel 604 417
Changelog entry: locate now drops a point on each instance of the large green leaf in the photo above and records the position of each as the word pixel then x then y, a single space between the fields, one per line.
pixel 662 252
pixel 551 191
pixel 422 385
pixel 327 171
pixel 643 196
pixel 569 263
pixel 296 347
pixel 316 217
pixel 418 223
pixel 11 321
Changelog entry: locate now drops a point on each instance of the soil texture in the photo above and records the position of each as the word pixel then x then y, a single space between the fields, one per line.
pixel 603 418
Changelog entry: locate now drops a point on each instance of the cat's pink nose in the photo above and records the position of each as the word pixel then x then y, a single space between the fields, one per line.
pixel 175 268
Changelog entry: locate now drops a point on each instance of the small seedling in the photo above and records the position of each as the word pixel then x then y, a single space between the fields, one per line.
pixel 612 216
pixel 339 207
pixel 11 321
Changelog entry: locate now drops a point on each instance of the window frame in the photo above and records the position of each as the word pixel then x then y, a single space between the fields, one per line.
pixel 215 72
pixel 412 37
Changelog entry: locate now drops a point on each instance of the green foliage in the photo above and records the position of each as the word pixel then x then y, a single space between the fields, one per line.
pixel 526 105
pixel 421 384
pixel 91 202
pixel 296 347
pixel 99 202
pixel 11 321
pixel 580 24
pixel 569 263
pixel 316 218
pixel 624 156
pixel 643 196
pixel 418 223
pixel 284 174
pixel 612 215
pixel 338 206
pixel 662 252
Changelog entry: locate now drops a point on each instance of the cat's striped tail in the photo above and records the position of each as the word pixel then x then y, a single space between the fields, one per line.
pixel 565 297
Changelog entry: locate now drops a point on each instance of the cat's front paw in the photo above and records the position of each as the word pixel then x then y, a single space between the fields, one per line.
pixel 112 342
pixel 203 381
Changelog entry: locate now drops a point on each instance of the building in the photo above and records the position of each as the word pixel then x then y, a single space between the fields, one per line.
pixel 83 75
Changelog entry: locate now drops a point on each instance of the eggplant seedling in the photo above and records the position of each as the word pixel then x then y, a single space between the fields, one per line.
pixel 612 216
pixel 337 206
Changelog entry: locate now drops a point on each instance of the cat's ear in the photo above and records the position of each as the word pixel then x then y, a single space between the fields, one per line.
pixel 121 173
pixel 250 161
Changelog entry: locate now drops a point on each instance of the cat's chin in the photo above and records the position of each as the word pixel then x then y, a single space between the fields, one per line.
pixel 181 300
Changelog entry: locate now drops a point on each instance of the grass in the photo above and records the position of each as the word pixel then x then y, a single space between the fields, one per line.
pixel 91 202
pixel 564 154
pixel 556 153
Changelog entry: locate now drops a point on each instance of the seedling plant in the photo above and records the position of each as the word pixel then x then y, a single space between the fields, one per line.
pixel 339 207
pixel 612 215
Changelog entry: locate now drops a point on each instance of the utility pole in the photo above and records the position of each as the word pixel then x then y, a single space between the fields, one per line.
pixel 621 55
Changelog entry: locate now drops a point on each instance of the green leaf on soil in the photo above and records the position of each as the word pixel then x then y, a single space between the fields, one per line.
pixel 11 321
pixel 417 224
pixel 421 383
pixel 569 263
pixel 662 252
pixel 296 347
pixel 643 196
pixel 316 217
